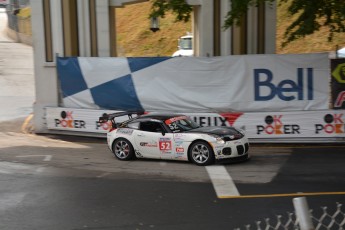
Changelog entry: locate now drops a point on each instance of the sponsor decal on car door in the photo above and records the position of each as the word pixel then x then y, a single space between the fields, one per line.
pixel 147 143
pixel 154 145
pixel 166 146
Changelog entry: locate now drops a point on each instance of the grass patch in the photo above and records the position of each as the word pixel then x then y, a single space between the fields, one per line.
pixel 135 39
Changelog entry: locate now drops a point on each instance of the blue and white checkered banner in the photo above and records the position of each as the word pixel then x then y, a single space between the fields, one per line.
pixel 247 83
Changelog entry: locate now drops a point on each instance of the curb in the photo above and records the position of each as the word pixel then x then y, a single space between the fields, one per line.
pixel 27 126
pixel 19 37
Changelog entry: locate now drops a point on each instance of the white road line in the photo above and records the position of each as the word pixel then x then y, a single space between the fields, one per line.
pixel 222 181
pixel 11 200
pixel 103 175
pixel 46 157
pixel 40 169
pixel 4 171
pixel 11 168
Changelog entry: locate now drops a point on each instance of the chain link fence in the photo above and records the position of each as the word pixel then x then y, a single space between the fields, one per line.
pixel 326 221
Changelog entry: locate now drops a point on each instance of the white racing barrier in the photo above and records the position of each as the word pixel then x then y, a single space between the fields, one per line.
pixel 299 126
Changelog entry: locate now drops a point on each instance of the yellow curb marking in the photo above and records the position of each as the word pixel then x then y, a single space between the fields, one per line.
pixel 26 122
pixel 283 195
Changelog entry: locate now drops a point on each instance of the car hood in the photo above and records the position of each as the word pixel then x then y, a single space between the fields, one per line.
pixel 220 131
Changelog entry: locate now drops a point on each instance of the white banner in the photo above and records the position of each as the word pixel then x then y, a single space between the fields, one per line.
pixel 266 125
pixel 246 83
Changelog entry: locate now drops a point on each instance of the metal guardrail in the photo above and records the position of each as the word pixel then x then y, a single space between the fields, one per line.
pixel 292 220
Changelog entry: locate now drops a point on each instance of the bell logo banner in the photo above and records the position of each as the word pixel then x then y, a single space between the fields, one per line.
pixel 242 83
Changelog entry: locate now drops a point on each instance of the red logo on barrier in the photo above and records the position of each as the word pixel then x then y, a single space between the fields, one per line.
pixel 340 100
pixel 231 117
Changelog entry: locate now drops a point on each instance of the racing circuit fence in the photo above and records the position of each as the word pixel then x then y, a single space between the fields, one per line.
pixel 326 220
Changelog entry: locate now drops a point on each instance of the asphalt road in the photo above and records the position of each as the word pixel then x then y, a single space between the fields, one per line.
pixel 57 182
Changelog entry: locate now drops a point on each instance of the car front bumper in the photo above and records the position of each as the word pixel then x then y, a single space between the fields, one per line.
pixel 236 150
pixel 234 159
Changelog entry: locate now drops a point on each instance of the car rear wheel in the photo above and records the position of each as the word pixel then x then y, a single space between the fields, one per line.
pixel 123 149
pixel 201 153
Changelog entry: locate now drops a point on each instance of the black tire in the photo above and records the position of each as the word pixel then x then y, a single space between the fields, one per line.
pixel 201 153
pixel 123 149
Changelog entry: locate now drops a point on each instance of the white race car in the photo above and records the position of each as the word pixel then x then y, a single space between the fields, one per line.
pixel 174 137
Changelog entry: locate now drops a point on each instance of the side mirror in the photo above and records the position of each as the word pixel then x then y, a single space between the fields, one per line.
pixel 163 132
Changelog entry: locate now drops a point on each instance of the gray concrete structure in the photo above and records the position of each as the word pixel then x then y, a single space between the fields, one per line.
pixel 86 28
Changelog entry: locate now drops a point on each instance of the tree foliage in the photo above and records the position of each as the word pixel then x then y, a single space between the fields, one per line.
pixel 311 15
pixel 179 7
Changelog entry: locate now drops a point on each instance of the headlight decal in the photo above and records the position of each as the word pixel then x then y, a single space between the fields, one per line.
pixel 219 139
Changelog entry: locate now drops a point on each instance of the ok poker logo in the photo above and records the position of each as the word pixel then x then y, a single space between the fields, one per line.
pixel 67 121
pixel 333 124
pixel 275 126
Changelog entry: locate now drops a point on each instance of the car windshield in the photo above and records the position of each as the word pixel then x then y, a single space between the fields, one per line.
pixel 180 124
pixel 186 43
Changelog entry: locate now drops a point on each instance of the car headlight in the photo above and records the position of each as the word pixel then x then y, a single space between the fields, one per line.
pixel 219 140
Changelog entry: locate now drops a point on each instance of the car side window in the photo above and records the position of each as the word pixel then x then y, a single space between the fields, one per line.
pixel 150 126
pixel 133 125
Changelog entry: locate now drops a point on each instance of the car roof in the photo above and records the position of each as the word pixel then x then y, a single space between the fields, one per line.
pixel 159 116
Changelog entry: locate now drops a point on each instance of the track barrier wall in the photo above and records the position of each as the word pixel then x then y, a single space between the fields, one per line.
pixel 274 98
pixel 304 126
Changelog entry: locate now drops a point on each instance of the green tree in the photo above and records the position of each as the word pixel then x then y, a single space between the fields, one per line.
pixel 311 15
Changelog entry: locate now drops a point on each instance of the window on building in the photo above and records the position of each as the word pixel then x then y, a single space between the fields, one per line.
pixel 48 31
pixel 70 27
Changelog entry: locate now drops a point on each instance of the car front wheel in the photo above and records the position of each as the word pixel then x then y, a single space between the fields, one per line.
pixel 201 153
pixel 123 149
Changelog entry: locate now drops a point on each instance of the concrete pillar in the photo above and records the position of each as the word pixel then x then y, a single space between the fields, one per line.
pixel 225 36
pixel 271 23
pixel 84 28
pixel 56 17
pixel 252 30
pixel 46 84
pixel 203 27
pixel 103 39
